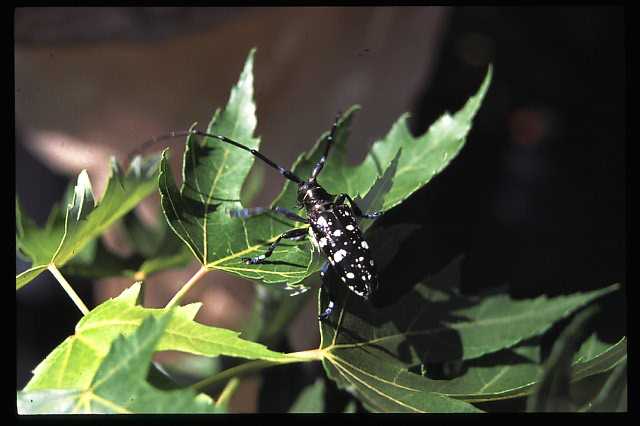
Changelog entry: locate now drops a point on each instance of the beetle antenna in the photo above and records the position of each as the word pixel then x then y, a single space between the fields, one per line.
pixel 329 142
pixel 284 172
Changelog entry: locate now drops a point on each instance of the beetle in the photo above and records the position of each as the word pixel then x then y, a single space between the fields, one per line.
pixel 333 228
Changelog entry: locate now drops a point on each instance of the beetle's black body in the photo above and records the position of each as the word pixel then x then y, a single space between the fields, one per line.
pixel 332 224
pixel 336 233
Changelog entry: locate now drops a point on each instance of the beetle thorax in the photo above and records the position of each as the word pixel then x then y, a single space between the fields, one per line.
pixel 313 197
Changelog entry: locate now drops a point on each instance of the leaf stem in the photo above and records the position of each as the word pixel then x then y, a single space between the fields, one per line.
pixel 228 392
pixel 237 371
pixel 185 288
pixel 67 287
pixel 257 365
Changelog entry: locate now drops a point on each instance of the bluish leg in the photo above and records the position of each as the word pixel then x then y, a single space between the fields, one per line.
pixel 325 284
pixel 293 234
pixel 254 211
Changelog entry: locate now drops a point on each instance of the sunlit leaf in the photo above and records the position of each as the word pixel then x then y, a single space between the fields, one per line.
pixel 73 363
pixel 118 385
pixel 214 174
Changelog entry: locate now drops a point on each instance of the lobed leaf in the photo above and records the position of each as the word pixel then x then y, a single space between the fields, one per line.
pixel 74 362
pixel 420 158
pixel 118 385
pixel 67 233
pixel 512 373
pixel 374 351
pixel 214 173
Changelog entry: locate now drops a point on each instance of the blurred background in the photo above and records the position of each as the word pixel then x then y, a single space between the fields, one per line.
pixel 535 201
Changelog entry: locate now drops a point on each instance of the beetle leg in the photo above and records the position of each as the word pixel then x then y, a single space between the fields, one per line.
pixel 254 211
pixel 356 210
pixel 292 234
pixel 325 284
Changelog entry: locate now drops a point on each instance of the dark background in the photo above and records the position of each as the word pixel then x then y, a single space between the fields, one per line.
pixel 536 200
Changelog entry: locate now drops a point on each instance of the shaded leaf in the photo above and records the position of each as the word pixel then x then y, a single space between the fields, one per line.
pixel 552 392
pixel 310 400
pixel 155 249
pixel 512 373
pixel 613 396
pixel 381 348
pixel 67 233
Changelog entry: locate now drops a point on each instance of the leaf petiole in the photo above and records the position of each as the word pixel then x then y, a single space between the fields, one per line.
pixel 185 288
pixel 227 392
pixel 67 287
pixel 257 365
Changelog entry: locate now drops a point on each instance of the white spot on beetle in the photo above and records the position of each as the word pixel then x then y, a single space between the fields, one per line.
pixel 343 280
pixel 340 254
pixel 371 262
pixel 322 221
pixel 350 275
pixel 360 259
pixel 322 242
pixel 337 233
pixel 350 227
pixel 364 245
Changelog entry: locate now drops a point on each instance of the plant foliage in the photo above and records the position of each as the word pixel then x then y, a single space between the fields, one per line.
pixel 432 350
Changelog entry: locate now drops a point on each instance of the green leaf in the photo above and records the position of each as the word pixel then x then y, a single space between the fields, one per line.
pixel 96 261
pixel 119 385
pixel 73 363
pixel 420 158
pixel 384 386
pixel 155 249
pixel 552 392
pixel 382 346
pixel 272 312
pixel 213 175
pixel 512 373
pixel 310 400
pixel 66 234
pixel 431 325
